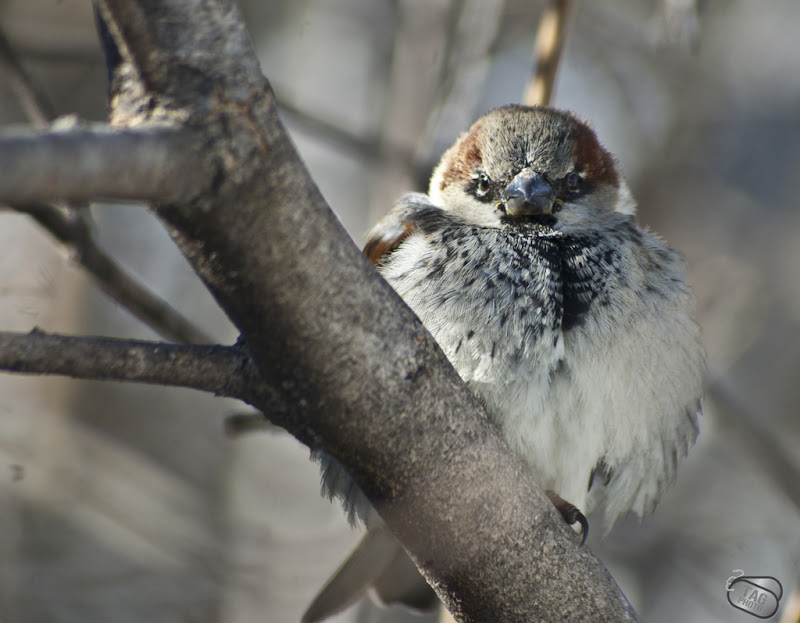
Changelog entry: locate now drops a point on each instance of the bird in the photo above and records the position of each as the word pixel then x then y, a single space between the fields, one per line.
pixel 572 324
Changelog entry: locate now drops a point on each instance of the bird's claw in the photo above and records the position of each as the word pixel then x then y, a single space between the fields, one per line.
pixel 570 513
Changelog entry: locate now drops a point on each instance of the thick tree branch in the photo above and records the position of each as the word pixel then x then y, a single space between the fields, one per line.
pixel 547 50
pixel 222 370
pixel 175 61
pixel 155 163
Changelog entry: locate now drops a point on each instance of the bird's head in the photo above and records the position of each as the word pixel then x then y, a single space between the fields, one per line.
pixel 522 162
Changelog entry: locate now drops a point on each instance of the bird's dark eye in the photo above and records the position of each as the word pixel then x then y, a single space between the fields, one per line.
pixel 482 182
pixel 573 182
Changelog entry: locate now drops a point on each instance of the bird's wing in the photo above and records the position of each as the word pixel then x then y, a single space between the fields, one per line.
pixel 400 222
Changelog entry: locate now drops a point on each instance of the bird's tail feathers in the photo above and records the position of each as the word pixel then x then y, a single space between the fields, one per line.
pixel 371 557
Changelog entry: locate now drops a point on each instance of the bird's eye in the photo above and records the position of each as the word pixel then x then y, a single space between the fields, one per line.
pixel 573 182
pixel 482 182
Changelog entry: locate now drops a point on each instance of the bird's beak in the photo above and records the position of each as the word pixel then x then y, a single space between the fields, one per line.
pixel 528 194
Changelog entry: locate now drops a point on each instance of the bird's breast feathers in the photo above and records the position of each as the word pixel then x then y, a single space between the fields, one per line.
pixel 580 343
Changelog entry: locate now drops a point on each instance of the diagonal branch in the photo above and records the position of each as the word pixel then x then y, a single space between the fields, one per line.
pixel 151 163
pixel 367 147
pixel 173 55
pixel 74 232
pixel 31 97
pixel 222 370
pixel 548 47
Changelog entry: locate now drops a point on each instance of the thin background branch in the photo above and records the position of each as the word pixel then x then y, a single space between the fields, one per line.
pixel 422 38
pixel 30 95
pixel 791 607
pixel 476 32
pixel 73 230
pixel 548 47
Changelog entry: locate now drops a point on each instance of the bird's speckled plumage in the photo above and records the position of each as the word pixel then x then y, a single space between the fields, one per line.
pixel 570 323
pixel 578 340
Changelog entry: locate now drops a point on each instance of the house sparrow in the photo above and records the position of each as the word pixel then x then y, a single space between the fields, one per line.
pixel 571 324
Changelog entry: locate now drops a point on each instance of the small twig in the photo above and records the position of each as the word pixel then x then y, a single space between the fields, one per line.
pixel 547 49
pixel 366 147
pixel 151 163
pixel 422 37
pixel 222 370
pixel 31 97
pixel 369 148
pixel 468 61
pixel 71 228
pixel 59 54
pixel 238 424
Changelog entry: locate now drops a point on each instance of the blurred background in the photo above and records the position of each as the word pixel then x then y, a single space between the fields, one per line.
pixel 130 503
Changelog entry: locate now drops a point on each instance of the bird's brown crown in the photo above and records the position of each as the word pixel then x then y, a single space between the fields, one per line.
pixel 509 139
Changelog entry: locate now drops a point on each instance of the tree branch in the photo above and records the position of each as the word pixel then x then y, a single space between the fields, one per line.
pixel 155 163
pixel 31 98
pixel 72 227
pixel 73 230
pixel 222 370
pixel 176 57
pixel 547 50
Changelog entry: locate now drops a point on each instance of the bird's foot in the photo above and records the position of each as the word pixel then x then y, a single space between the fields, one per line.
pixel 570 513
